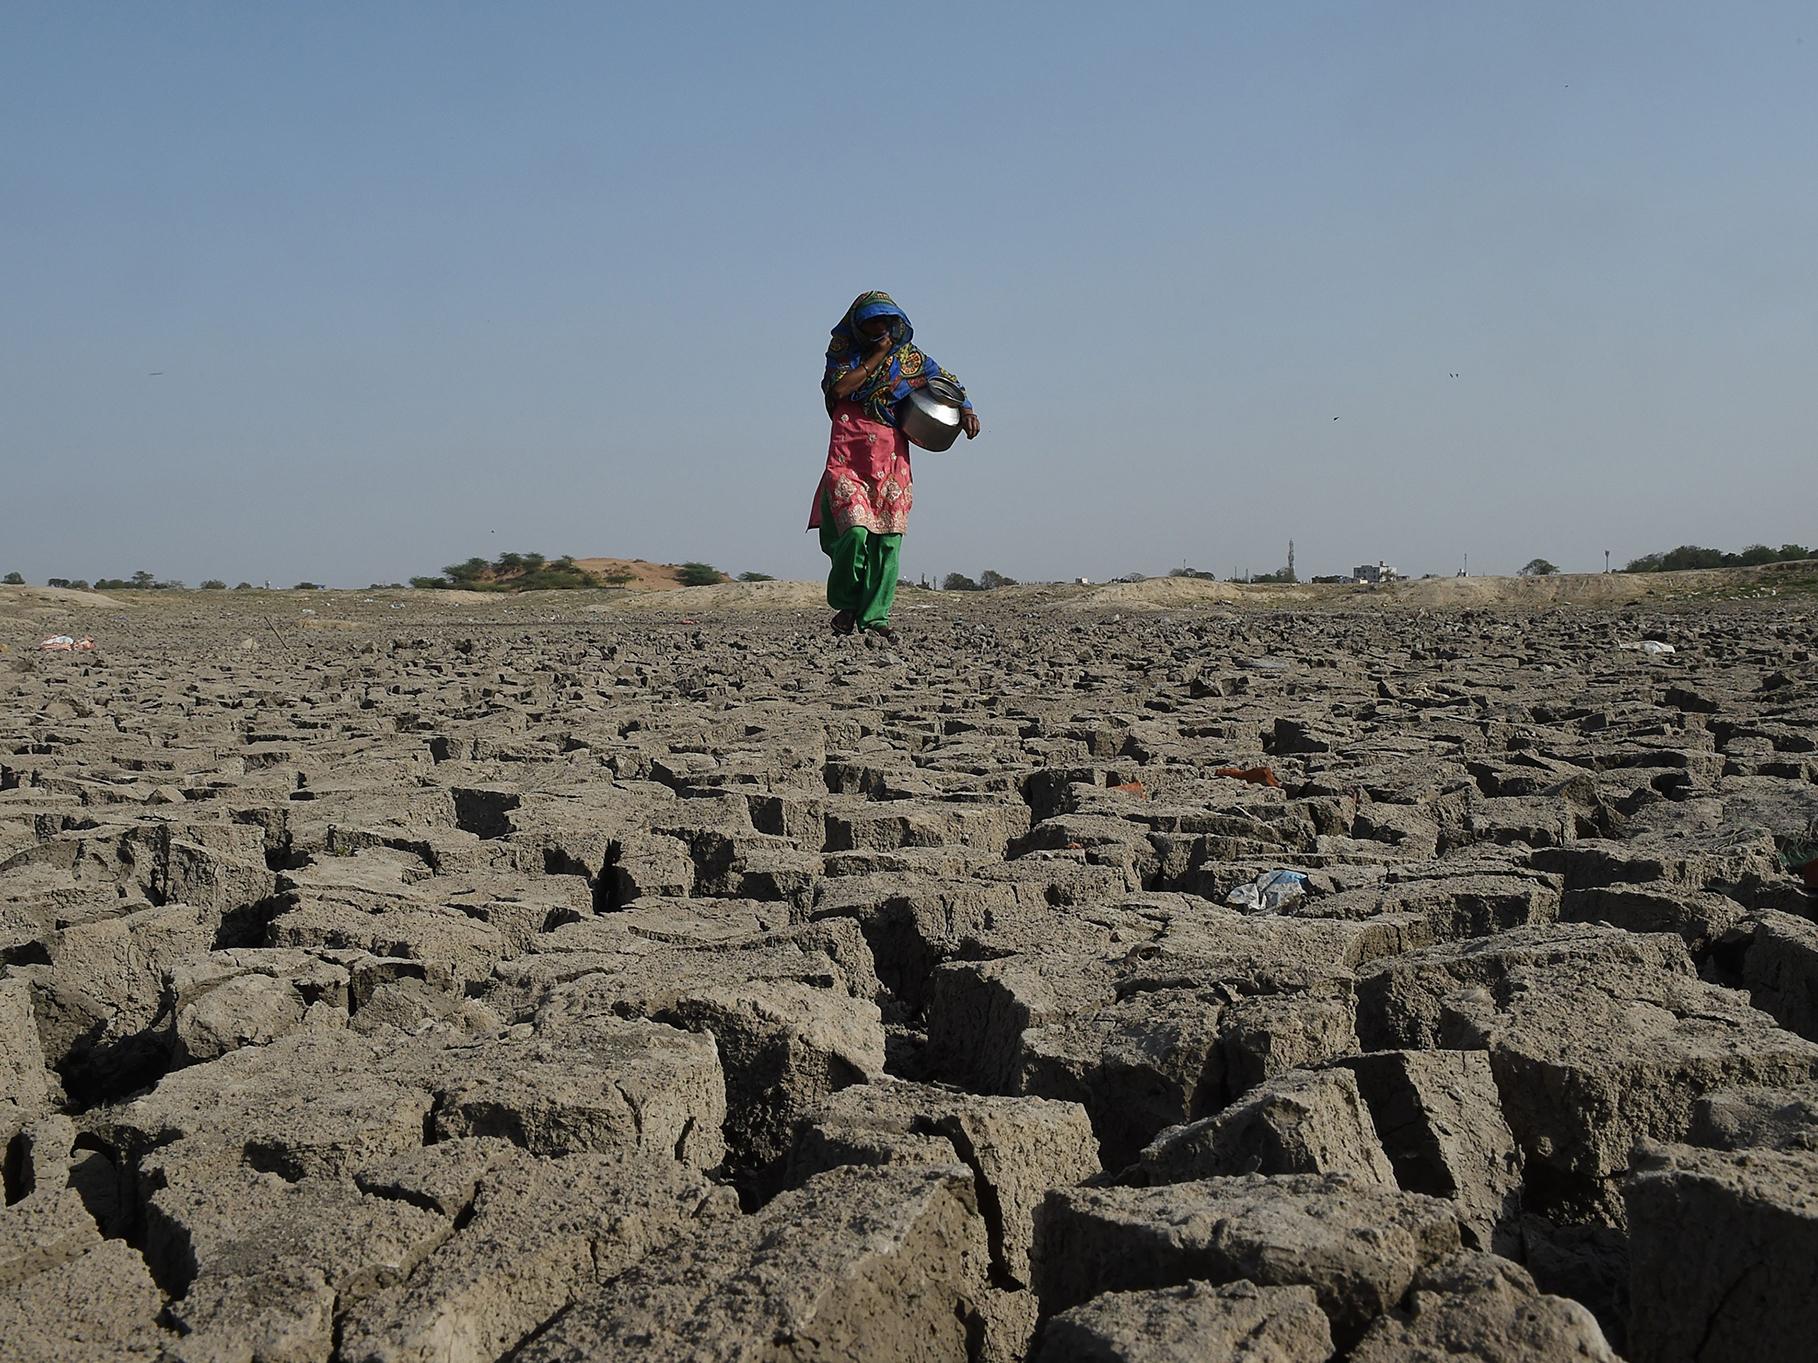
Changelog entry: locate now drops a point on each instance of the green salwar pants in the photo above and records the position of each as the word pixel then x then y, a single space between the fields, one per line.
pixel 863 577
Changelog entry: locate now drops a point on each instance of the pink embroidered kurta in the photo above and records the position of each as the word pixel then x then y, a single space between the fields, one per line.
pixel 867 478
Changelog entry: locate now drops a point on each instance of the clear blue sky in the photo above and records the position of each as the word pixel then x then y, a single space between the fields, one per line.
pixel 429 280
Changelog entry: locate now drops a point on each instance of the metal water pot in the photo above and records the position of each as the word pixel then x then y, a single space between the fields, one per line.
pixel 930 415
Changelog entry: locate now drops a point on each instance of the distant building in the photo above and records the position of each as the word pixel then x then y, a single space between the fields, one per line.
pixel 1375 572
pixel 1082 582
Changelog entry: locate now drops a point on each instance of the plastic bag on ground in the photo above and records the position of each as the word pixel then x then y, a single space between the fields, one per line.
pixel 1268 892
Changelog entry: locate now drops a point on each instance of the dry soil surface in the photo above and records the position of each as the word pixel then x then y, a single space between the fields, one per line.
pixel 410 976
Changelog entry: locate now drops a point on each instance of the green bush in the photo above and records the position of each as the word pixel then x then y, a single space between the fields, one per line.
pixel 699 575
pixel 214 584
pixel 1688 556
pixel 959 582
pixel 1538 567
pixel 756 577
pixel 14 579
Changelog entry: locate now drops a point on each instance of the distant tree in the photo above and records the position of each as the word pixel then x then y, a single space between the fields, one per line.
pixel 79 583
pixel 169 584
pixel 1539 567
pixel 14 579
pixel 1696 556
pixel 959 582
pixel 699 575
pixel 56 582
pixel 243 586
pixel 470 571
pixel 990 580
pixel 307 587
pixel 1184 571
pixel 756 577
pixel 110 584
pixel 618 577
pixel 214 584
pixel 510 563
pixel 532 562
pixel 143 579
pixel 428 583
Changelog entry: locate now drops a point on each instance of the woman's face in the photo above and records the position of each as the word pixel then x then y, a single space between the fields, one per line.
pixel 873 327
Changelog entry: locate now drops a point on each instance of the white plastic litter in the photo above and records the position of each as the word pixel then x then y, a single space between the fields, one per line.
pixel 1268 892
pixel 1653 646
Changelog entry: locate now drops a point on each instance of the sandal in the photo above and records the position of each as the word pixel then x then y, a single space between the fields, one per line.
pixel 883 632
pixel 845 622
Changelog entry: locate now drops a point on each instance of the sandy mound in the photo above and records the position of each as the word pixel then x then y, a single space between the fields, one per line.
pixel 1587 589
pixel 645 576
pixel 727 596
pixel 1171 593
pixel 55 596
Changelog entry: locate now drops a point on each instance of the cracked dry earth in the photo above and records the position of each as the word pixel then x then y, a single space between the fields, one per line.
pixel 459 989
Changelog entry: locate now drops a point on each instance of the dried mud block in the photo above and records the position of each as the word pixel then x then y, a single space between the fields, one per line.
pixel 790 1022
pixel 978 1012
pixel 1301 1122
pixel 1137 1066
pixel 315 1104
pixel 1400 1001
pixel 1271 1034
pixel 1440 1120
pixel 1358 1246
pixel 532 1233
pixel 595 1083
pixel 1722 862
pixel 260 1265
pixel 250 997
pixel 1017 1148
pixel 1455 906
pixel 1239 1322
pixel 1699 916
pixel 879 1263
pixel 1484 1308
pixel 1780 967
pixel 1724 1255
pixel 25 1085
pixel 48 1227
pixel 1750 1118
pixel 1592 1062
pixel 101 1305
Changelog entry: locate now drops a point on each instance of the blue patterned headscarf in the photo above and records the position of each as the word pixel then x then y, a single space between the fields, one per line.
pixel 908 368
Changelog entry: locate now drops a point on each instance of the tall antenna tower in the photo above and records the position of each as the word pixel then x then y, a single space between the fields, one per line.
pixel 1291 576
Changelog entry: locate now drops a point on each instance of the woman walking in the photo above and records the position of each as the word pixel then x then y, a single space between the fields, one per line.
pixel 862 505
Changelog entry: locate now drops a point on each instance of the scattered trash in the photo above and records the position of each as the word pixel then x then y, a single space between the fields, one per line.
pixel 307 611
pixel 1653 646
pixel 63 643
pixel 1258 776
pixel 1133 788
pixel 1268 892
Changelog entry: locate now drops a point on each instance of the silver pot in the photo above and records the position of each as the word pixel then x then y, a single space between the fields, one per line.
pixel 930 415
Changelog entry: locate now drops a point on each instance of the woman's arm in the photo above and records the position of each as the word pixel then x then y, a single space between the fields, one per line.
pixel 860 374
pixel 968 417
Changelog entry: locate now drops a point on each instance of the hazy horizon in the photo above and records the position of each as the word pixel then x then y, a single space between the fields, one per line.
pixel 345 295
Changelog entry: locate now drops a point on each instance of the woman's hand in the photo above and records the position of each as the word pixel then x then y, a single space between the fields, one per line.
pixel 969 424
pixel 860 374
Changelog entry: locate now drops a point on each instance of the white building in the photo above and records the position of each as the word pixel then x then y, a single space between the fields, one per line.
pixel 1375 572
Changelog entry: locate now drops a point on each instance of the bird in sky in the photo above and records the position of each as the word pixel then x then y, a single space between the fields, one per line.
pixel 154 374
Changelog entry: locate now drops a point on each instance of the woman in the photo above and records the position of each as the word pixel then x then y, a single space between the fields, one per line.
pixel 862 505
